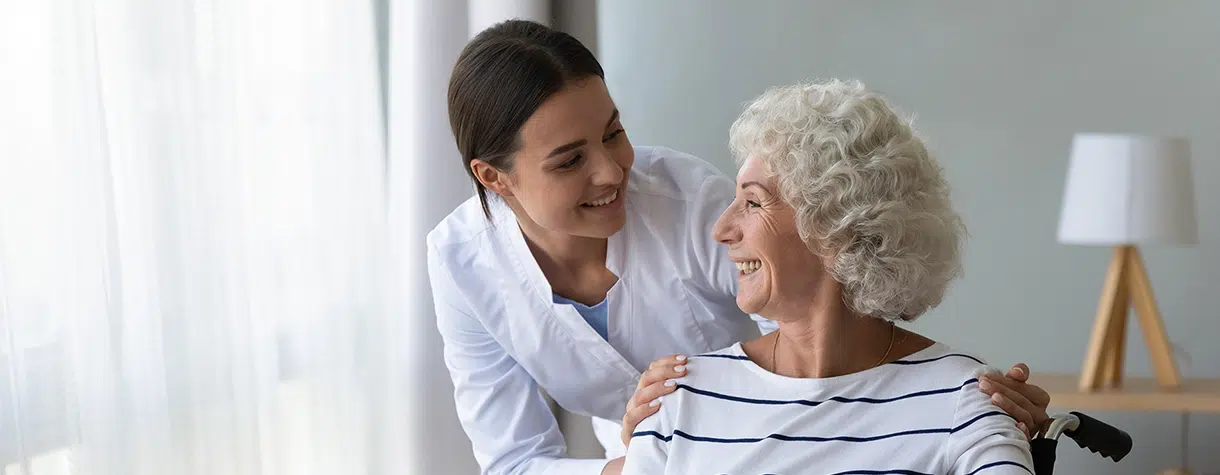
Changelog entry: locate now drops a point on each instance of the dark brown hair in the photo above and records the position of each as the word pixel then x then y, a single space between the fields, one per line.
pixel 501 77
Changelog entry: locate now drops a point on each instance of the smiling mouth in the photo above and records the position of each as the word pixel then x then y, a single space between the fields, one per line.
pixel 601 202
pixel 749 267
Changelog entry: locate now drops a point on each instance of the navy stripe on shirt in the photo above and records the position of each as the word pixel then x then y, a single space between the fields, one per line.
pixel 898 362
pixel 899 471
pixel 792 438
pixel 892 471
pixel 907 471
pixel 727 357
pixel 998 464
pixel 938 358
pixel 806 402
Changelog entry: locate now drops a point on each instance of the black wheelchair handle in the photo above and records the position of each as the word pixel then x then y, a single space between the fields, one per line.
pixel 1097 436
pixel 1043 451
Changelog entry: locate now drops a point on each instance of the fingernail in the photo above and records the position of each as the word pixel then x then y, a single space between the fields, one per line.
pixel 670 383
pixel 654 403
pixel 681 357
pixel 680 368
pixel 985 384
pixel 1019 370
pixel 997 397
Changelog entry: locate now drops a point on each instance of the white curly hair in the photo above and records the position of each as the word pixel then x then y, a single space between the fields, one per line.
pixel 868 196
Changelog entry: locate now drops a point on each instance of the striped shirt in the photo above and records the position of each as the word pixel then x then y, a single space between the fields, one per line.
pixel 923 414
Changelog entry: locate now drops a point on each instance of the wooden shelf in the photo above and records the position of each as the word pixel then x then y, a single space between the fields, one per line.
pixel 1136 394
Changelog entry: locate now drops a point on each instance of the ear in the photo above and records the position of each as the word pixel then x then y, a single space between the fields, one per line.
pixel 491 178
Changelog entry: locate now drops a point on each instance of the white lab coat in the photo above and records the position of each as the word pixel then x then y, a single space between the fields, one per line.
pixel 505 339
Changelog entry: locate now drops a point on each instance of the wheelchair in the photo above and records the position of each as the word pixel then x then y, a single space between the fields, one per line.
pixel 1097 436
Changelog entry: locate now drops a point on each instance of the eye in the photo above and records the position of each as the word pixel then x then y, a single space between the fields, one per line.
pixel 613 135
pixel 752 204
pixel 573 162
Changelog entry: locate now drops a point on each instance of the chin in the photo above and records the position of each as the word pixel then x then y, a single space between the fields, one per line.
pixel 606 227
pixel 610 230
pixel 602 230
pixel 747 305
pixel 616 222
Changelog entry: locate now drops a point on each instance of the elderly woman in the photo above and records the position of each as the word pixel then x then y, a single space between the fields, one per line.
pixel 841 226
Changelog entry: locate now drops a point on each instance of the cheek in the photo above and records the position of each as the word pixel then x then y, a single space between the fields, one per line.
pixel 789 256
pixel 557 194
pixel 769 240
pixel 532 189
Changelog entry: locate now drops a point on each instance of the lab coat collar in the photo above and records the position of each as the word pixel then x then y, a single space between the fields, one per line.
pixel 505 222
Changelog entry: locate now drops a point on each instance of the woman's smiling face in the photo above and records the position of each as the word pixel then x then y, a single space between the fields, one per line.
pixel 570 174
pixel 777 273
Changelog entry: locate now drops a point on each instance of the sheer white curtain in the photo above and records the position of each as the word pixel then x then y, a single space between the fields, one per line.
pixel 193 241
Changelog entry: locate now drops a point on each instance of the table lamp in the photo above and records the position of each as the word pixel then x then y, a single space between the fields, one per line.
pixel 1124 191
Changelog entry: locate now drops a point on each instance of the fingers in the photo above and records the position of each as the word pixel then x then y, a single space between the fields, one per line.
pixel 659 372
pixel 650 394
pixel 1013 403
pixel 639 412
pixel 991 387
pixel 1035 394
pixel 634 416
pixel 653 377
pixel 669 367
pixel 1024 419
pixel 645 402
pixel 1017 393
pixel 658 380
pixel 666 360
pixel 1019 372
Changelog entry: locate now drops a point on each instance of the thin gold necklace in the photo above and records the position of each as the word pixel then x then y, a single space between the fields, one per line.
pixel 893 331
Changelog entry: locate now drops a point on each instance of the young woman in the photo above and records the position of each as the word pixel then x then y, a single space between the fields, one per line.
pixel 582 262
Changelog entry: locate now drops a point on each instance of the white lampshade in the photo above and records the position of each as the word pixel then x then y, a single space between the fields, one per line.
pixel 1128 189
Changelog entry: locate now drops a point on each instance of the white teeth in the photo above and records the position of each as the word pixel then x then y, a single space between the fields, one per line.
pixel 602 202
pixel 749 267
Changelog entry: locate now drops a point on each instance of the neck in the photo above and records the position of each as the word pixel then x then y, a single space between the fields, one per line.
pixel 830 341
pixel 561 255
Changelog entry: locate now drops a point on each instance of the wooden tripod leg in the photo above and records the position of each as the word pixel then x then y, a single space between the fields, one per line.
pixel 1092 376
pixel 1116 339
pixel 1152 324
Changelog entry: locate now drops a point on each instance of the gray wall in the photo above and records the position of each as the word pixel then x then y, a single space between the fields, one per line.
pixel 999 88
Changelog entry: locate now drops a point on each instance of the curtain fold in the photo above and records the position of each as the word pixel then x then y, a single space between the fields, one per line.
pixel 193 231
pixel 212 221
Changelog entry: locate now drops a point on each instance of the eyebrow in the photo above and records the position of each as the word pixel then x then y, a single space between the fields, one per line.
pixel 566 147
pixel 580 143
pixel 754 183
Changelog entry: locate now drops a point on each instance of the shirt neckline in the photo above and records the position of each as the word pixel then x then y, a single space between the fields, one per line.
pixel 932 351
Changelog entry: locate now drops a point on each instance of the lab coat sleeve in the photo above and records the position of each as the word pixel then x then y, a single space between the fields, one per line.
pixel 714 197
pixel 499 405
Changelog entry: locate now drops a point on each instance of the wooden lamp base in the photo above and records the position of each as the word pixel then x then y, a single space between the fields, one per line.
pixel 1126 284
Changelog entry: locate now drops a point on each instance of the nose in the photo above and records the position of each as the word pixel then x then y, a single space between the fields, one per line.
pixel 608 172
pixel 726 231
